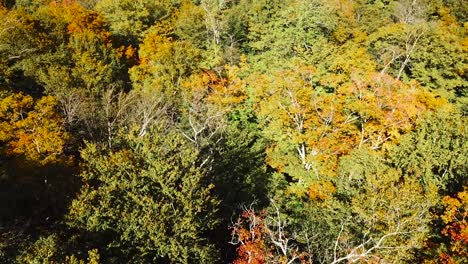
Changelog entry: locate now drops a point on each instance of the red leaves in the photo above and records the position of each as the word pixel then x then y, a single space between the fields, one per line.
pixel 456 219
pixel 248 233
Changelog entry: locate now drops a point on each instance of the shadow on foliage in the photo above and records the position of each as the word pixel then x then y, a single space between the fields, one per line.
pixel 241 178
pixel 33 197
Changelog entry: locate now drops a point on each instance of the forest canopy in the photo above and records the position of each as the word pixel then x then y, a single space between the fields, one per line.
pixel 233 131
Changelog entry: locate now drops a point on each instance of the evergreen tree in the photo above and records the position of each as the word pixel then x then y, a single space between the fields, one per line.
pixel 150 196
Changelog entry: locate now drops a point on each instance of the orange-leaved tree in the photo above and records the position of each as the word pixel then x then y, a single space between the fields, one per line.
pixel 311 126
pixel 32 129
pixel 248 234
pixel 455 219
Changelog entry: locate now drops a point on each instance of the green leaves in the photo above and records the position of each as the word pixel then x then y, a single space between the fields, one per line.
pixel 435 152
pixel 151 195
pixel 279 31
pixel 389 214
pixel 130 19
pixel 440 61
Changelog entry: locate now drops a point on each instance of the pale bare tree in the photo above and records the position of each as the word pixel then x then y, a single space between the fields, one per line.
pixel 281 237
pixel 410 45
pixel 213 21
pixel 71 104
pixel 411 11
pixel 400 52
pixel 366 250
pixel 116 105
pixel 147 108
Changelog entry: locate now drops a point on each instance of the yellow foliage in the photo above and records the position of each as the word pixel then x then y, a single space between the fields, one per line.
pixel 310 128
pixel 32 129
pixel 320 191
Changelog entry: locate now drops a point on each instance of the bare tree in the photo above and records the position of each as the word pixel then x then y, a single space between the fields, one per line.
pixel 281 238
pixel 411 11
pixel 366 249
pixel 146 109
pixel 115 107
pixel 397 52
pixel 71 104
pixel 213 21
pixel 410 45
pixel 205 121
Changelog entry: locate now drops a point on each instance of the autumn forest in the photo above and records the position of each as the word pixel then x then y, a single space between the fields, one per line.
pixel 233 131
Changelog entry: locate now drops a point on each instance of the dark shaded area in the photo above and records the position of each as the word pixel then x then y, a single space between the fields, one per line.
pixel 35 194
pixel 8 3
pixel 33 200
pixel 241 177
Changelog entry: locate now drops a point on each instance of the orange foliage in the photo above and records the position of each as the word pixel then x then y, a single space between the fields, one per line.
pixel 320 191
pixel 249 230
pixel 456 219
pixel 224 91
pixel 78 19
pixel 32 129
pixel 310 128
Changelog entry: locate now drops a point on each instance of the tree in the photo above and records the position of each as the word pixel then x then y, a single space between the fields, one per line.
pixel 438 62
pixel 36 169
pixel 434 152
pixel 395 45
pixel 310 128
pixel 456 228
pixel 165 62
pixel 151 196
pixel 74 60
pixel 390 214
pixel 248 235
pixel 129 19
pixel 32 129
pixel 374 215
pixel 282 30
pixel 264 238
pixel 17 38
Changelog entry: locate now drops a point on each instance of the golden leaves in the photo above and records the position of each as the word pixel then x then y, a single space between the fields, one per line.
pixel 310 128
pixel 32 129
